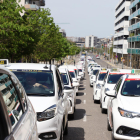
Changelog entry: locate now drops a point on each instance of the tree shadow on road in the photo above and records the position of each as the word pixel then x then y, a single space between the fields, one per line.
pixel 75 133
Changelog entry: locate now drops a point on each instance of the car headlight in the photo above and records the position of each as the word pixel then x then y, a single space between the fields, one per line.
pixel 47 114
pixel 107 89
pixel 128 114
pixel 98 86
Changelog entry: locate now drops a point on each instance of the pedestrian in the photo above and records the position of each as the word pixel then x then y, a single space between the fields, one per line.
pixel 74 62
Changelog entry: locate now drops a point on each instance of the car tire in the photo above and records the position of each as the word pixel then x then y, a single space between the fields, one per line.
pixel 71 116
pixel 103 111
pixel 66 129
pixel 61 136
pixel 108 126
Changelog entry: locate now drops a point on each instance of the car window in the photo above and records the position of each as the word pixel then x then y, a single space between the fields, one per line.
pixel 131 87
pixel 11 99
pixel 36 82
pixel 101 76
pixel 72 74
pixel 95 72
pixel 64 78
pixel 21 91
pixel 113 78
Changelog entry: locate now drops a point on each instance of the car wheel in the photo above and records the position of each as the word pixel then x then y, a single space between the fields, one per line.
pixel 61 136
pixel 103 111
pixel 108 126
pixel 66 129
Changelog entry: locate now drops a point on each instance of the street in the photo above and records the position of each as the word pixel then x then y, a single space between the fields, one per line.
pixel 89 123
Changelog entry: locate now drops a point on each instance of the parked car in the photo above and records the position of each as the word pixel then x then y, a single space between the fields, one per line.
pixel 17 115
pixel 45 90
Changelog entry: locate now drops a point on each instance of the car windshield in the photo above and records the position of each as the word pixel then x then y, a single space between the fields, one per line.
pixel 36 83
pixel 64 78
pixel 101 76
pixel 95 72
pixel 131 88
pixel 113 78
pixel 72 74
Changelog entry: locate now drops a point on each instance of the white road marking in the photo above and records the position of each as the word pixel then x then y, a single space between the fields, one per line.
pixel 84 118
pixel 84 93
pixel 84 101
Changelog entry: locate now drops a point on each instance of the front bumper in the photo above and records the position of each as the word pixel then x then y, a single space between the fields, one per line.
pixel 49 126
pixel 130 127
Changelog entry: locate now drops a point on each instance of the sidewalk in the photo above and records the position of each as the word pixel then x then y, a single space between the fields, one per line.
pixel 115 65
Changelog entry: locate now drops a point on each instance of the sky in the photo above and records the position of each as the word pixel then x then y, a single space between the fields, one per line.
pixel 85 17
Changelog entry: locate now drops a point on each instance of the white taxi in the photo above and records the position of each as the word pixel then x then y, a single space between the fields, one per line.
pixel 123 108
pixel 109 83
pixel 45 90
pixel 69 90
pixel 93 76
pixel 98 84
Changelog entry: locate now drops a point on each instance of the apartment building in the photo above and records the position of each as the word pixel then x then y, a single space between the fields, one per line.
pixel 122 14
pixel 134 35
pixel 90 41
pixel 31 4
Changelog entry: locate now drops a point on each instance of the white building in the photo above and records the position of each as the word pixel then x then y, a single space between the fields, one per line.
pixel 121 28
pixel 31 4
pixel 89 41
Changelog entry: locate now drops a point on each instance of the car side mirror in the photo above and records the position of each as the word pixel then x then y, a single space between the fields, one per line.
pixel 67 88
pixel 111 93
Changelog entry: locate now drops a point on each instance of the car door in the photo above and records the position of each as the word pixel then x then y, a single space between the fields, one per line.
pixel 111 101
pixel 17 108
pixel 60 102
pixel 65 100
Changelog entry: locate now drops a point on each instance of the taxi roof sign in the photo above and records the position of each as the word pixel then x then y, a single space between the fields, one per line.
pixel 114 70
pixel 103 68
pixel 135 71
pixel 4 62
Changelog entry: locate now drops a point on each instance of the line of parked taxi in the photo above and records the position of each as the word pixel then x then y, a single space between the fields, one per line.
pixel 118 92
pixel 36 100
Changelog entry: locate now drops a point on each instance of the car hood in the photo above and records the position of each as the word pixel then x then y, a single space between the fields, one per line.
pixel 41 103
pixel 130 103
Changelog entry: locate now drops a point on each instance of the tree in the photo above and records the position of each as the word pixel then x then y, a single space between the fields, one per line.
pixel 17 37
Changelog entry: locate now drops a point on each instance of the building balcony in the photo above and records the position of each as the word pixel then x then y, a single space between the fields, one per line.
pixel 33 7
pixel 134 26
pixel 120 50
pixel 136 13
pixel 133 4
pixel 134 38
pixel 134 51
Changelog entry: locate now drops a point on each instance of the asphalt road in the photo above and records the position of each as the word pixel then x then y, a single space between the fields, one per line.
pixel 89 123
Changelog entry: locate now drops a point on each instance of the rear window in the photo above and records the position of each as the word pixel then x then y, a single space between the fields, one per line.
pixel 80 70
pixel 72 74
pixel 75 72
pixel 64 78
pixel 101 76
pixel 36 83
pixel 131 88
pixel 113 78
